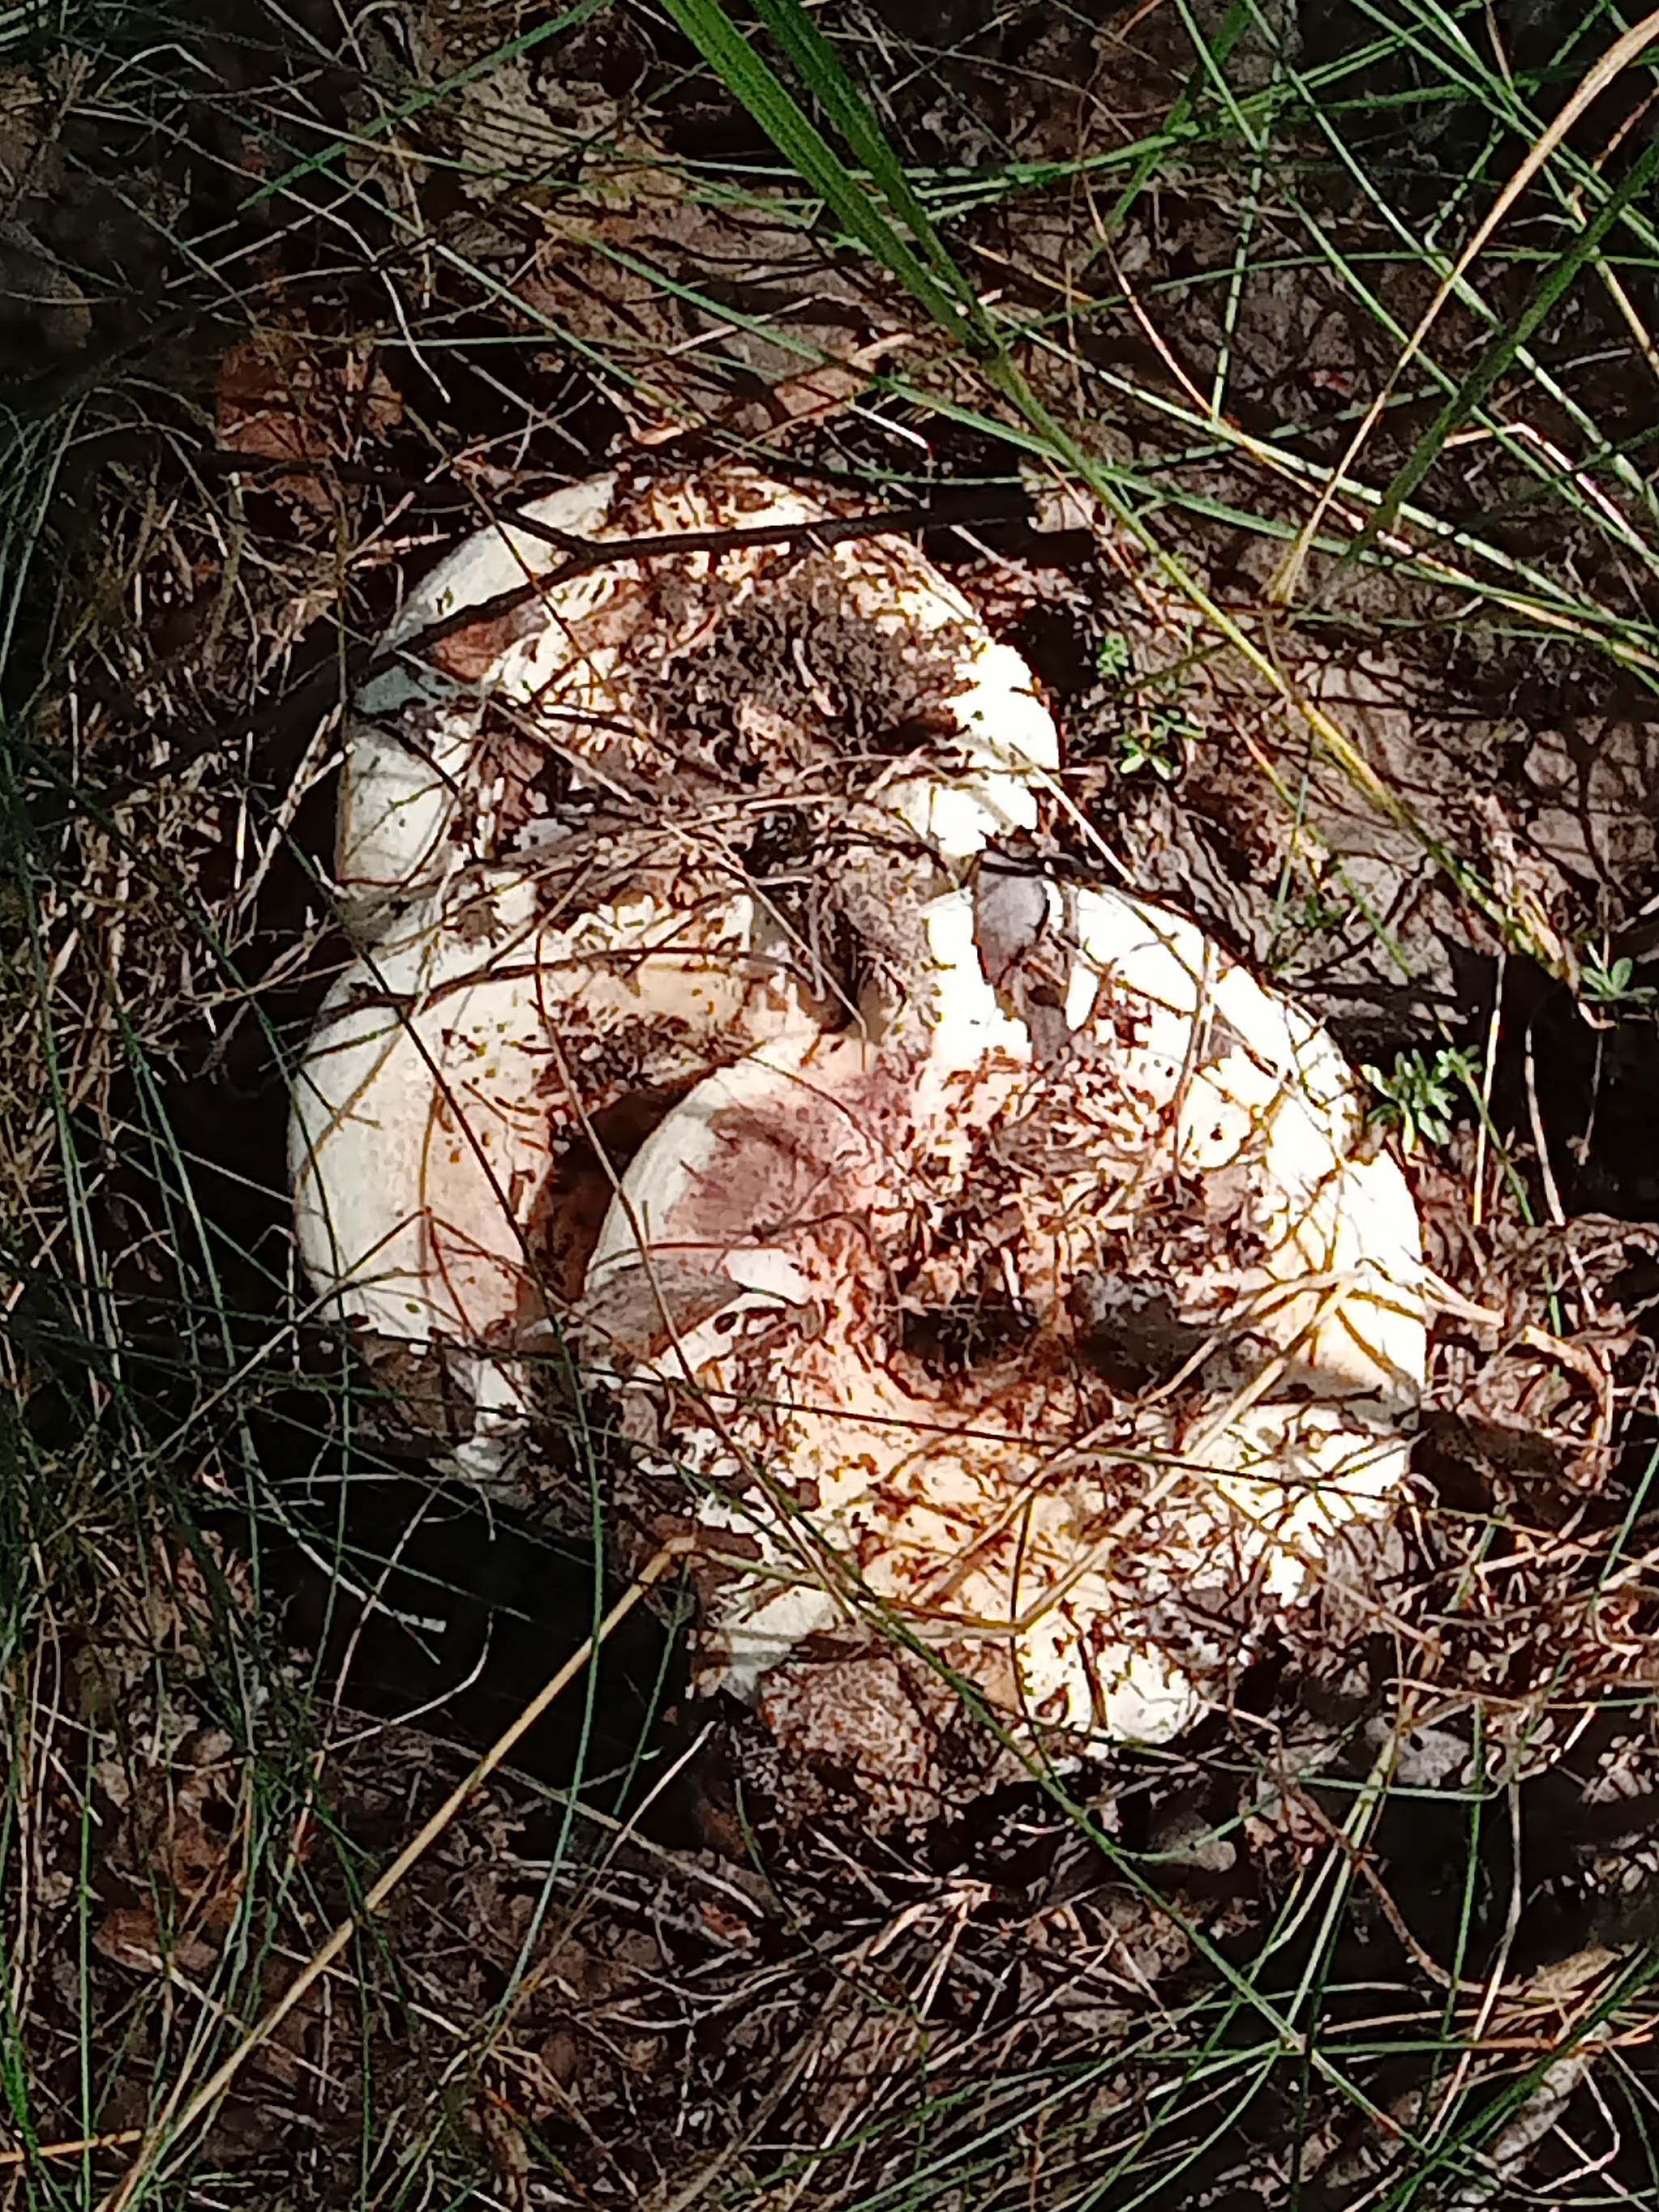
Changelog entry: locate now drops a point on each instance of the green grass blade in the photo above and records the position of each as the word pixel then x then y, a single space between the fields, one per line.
pixel 1498 357
pixel 824 75
pixel 752 81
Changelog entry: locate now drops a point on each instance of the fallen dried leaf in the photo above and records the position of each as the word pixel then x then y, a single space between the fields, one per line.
pixel 294 396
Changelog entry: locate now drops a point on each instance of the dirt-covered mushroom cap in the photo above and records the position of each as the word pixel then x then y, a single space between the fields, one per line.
pixel 533 975
pixel 851 669
pixel 435 1140
pixel 1023 1280
pixel 1072 1343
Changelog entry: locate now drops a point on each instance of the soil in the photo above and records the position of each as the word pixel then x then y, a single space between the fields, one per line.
pixel 680 1951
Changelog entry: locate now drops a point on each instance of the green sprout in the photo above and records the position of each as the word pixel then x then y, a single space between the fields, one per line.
pixel 1156 744
pixel 1115 657
pixel 1616 985
pixel 1319 912
pixel 1419 1095
pixel 1156 732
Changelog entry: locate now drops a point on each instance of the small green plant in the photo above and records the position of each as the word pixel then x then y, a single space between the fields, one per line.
pixel 1156 732
pixel 1613 987
pixel 1419 1095
pixel 1319 911
pixel 1154 743
pixel 1115 657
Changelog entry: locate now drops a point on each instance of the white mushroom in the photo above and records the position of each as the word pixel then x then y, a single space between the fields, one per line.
pixel 876 1263
pixel 590 651
pixel 413 731
pixel 445 1071
pixel 1066 1546
pixel 453 1065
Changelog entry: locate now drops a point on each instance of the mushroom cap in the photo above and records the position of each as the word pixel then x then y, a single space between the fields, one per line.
pixel 447 1069
pixel 413 730
pixel 1033 1289
pixel 603 665
pixel 1046 1532
pixel 454 1065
